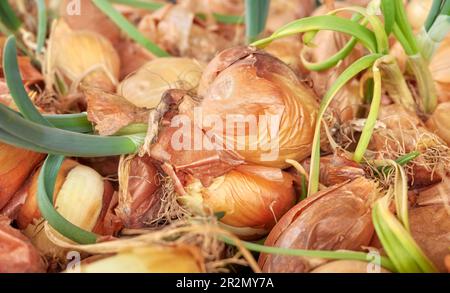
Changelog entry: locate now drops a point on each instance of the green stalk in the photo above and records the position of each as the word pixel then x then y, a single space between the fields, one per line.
pixel 132 129
pixel 42 25
pixel 8 17
pixel 46 187
pixel 425 82
pixel 256 12
pixel 434 12
pixel 337 255
pixel 129 28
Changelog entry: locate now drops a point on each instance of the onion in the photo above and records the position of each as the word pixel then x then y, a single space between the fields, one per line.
pixel 90 19
pixel 333 219
pixel 145 87
pixel 346 267
pixel 430 227
pixel 138 201
pixel 440 70
pixel 15 166
pixel 249 83
pixel 82 56
pixel 75 183
pixel 288 51
pixel 150 259
pixel 17 255
pixel 253 198
pixel 416 11
pixel 440 120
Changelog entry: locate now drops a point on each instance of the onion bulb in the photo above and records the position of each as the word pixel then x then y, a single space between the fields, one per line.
pixel 145 87
pixel 281 111
pixel 337 218
pixel 75 184
pixel 17 254
pixel 82 56
pixel 440 120
pixel 15 166
pixel 440 70
pixel 149 259
pixel 253 199
pixel 416 11
pixel 347 267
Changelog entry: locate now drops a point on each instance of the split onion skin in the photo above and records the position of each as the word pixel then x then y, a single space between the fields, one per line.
pixel 17 254
pixel 244 81
pixel 15 167
pixel 337 218
pixel 253 199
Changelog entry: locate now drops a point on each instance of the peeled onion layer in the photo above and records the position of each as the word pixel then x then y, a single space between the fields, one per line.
pixel 252 198
pixel 149 259
pixel 17 254
pixel 338 218
pixel 253 85
pixel 146 86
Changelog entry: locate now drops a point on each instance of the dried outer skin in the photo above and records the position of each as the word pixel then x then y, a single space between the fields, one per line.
pixel 141 203
pixel 430 227
pixel 336 169
pixel 244 81
pixel 17 254
pixel 15 166
pixel 438 194
pixel 338 218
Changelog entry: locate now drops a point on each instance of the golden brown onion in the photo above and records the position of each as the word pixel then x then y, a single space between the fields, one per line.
pixel 336 218
pixel 279 111
pixel 145 88
pixel 82 56
pixel 15 166
pixel 17 255
pixel 253 199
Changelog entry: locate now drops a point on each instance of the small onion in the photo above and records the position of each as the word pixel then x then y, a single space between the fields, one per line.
pixel 82 56
pixel 440 120
pixel 248 83
pixel 348 267
pixel 17 254
pixel 151 259
pixel 253 198
pixel 75 183
pixel 146 87
pixel 337 218
pixel 15 166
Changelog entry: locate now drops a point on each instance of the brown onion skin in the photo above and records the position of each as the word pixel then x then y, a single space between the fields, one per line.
pixel 17 254
pixel 243 81
pixel 333 219
pixel 141 204
pixel 430 228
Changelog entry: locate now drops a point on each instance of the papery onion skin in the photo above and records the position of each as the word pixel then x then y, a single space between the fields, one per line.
pixel 440 70
pixel 17 254
pixel 334 219
pixel 146 87
pixel 348 267
pixel 440 120
pixel 83 56
pixel 150 259
pixel 244 81
pixel 139 203
pixel 15 166
pixel 253 199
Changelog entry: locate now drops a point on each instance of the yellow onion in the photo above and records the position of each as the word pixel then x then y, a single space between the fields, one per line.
pixel 82 56
pixel 440 70
pixel 75 184
pixel 246 83
pixel 347 267
pixel 151 259
pixel 15 166
pixel 17 254
pixel 145 87
pixel 90 18
pixel 440 120
pixel 417 11
pixel 336 218
pixel 253 199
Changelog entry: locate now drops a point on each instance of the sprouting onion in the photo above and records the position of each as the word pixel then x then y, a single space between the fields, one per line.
pixel 338 255
pixel 42 25
pixel 129 28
